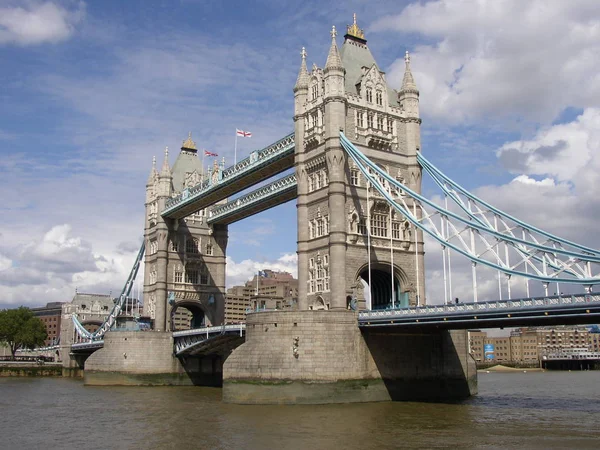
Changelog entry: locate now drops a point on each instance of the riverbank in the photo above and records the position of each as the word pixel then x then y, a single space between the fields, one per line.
pixel 30 369
pixel 501 368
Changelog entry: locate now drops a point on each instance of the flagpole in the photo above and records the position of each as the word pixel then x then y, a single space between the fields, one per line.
pixel 235 149
pixel 203 156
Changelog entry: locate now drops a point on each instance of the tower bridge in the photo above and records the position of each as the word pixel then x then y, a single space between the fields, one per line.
pixel 361 330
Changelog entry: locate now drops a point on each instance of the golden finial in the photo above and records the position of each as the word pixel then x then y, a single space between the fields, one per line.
pixel 353 29
pixel 188 143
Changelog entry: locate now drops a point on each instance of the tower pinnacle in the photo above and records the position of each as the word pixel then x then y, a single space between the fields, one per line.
pixel 166 170
pixel 408 82
pixel 353 31
pixel 334 61
pixel 302 81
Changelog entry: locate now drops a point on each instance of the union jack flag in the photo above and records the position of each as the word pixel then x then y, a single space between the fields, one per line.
pixel 207 153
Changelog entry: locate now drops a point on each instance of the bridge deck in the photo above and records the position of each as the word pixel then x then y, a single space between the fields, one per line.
pixel 576 309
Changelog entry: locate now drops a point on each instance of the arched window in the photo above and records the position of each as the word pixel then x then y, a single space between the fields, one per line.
pixel 379 98
pixel 369 93
pixel 191 245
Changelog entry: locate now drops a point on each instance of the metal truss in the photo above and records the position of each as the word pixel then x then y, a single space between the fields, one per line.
pixel 276 188
pixel 117 308
pixel 257 158
pixel 188 340
pixel 481 233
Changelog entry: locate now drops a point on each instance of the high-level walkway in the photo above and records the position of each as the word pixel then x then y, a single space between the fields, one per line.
pixel 259 166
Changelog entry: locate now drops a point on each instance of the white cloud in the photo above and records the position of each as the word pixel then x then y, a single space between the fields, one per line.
pixel 239 273
pixel 37 23
pixel 508 60
pixel 527 180
pixel 562 150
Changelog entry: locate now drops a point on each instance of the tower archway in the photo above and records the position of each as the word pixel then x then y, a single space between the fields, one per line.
pixel 187 315
pixel 379 287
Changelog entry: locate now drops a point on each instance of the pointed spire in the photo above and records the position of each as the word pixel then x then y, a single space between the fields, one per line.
pixel 166 170
pixel 153 172
pixel 408 82
pixel 334 61
pixel 302 81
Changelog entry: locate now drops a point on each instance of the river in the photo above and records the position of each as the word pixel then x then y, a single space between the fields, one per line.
pixel 533 410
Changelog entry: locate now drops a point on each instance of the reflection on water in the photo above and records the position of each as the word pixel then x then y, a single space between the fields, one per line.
pixel 524 410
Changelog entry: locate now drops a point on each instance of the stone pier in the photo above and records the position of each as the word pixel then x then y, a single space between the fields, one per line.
pixel 315 357
pixel 146 359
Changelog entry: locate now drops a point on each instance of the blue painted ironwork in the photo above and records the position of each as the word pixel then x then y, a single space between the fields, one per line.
pixel 277 188
pixel 85 347
pixel 533 260
pixel 188 340
pixel 117 308
pixel 472 314
pixel 259 158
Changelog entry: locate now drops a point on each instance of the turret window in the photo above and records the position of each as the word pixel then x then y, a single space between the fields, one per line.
pixel 379 98
pixel 191 246
pixel 209 249
pixel 360 120
pixel 178 276
pixel 369 120
pixel 174 244
pixel 315 92
pixel 390 125
pixel 354 177
pixel 370 95
pixel 380 122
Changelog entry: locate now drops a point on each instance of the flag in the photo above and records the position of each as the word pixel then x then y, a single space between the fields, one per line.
pixel 207 153
pixel 243 133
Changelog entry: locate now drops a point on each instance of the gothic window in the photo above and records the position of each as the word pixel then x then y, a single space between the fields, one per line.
pixel 315 91
pixel 369 120
pixel 370 95
pixel 311 229
pixel 396 232
pixel 360 119
pixel 320 227
pixel 318 275
pixel 319 177
pixel 362 226
pixel 379 223
pixel 315 119
pixel 354 180
pixel 204 275
pixel 191 276
pixel 191 246
pixel 379 98
pixel 390 125
pixel 178 276
pixel 311 183
pixel 380 122
pixel 209 248
pixel 174 244
pixel 326 221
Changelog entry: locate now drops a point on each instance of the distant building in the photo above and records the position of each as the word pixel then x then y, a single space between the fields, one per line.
pixel 266 290
pixel 50 315
pixel 530 345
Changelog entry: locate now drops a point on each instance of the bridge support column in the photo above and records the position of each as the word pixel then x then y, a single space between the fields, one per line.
pixel 146 359
pixel 309 357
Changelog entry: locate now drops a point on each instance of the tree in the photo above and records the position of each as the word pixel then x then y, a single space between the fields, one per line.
pixel 19 328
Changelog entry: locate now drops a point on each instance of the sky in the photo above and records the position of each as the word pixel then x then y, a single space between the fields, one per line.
pixel 91 91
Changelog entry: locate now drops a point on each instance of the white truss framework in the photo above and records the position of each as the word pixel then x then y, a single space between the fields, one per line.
pixel 117 308
pixel 482 233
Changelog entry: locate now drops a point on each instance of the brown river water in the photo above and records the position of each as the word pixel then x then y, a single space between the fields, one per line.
pixel 533 410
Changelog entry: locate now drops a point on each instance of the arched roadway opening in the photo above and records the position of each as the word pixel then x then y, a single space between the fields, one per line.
pixel 186 315
pixel 379 287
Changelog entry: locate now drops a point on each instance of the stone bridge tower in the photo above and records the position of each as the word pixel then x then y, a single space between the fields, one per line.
pixel 352 94
pixel 185 259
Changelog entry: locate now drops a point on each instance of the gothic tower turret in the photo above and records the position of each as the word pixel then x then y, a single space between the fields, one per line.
pixel 336 215
pixel 335 121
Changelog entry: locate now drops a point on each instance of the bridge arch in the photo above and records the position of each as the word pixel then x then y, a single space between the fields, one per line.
pixel 381 286
pixel 197 315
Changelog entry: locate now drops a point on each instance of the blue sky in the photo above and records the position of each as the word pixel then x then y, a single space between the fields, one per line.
pixel 90 91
